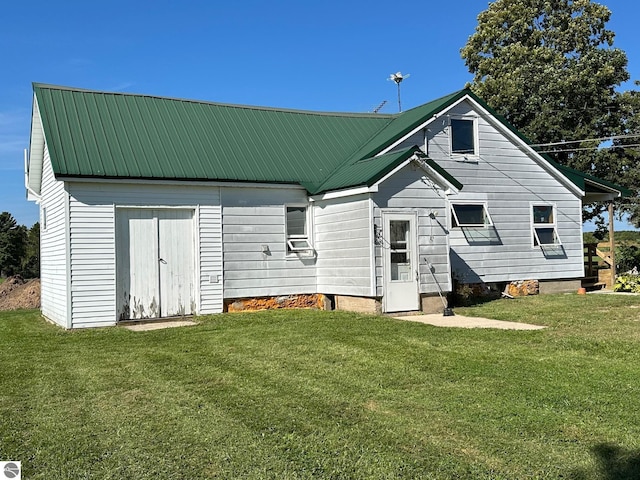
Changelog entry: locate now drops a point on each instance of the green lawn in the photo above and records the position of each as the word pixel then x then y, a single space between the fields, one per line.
pixel 309 394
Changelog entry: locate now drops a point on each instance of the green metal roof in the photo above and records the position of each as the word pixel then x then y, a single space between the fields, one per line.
pixel 368 171
pixel 117 135
pixel 582 180
pixel 405 122
pixel 99 134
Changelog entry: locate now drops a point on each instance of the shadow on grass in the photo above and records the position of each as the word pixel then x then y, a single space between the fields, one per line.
pixel 613 463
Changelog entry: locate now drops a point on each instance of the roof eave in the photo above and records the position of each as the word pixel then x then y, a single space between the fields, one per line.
pixel 34 163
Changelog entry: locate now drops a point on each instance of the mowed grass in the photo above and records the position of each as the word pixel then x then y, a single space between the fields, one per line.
pixel 309 394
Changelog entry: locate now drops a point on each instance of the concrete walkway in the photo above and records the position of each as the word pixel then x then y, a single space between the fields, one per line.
pixel 468 322
pixel 436 319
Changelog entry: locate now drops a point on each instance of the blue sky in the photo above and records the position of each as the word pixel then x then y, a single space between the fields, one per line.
pixel 334 55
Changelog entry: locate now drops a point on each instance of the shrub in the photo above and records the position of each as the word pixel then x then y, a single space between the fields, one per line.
pixel 627 257
pixel 627 283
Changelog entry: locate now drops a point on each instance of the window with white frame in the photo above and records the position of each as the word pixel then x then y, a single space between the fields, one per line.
pixel 297 229
pixel 470 215
pixel 543 225
pixel 463 136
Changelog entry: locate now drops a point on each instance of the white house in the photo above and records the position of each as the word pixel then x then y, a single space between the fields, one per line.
pixel 156 207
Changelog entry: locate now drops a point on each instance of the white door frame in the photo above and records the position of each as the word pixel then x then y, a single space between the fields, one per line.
pixel 400 294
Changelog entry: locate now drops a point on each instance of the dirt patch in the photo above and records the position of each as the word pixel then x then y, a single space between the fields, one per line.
pixel 15 293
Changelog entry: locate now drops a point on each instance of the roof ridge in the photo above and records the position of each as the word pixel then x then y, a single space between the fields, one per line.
pixel 37 85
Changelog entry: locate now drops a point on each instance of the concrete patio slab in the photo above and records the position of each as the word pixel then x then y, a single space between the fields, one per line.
pixel 461 321
pixel 143 327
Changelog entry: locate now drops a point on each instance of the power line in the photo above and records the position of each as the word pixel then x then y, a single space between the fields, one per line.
pixel 601 139
pixel 633 145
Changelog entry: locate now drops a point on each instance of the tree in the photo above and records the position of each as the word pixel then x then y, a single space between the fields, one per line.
pixel 31 261
pixel 624 155
pixel 549 67
pixel 13 238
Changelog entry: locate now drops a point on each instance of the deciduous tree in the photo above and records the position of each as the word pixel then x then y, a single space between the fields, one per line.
pixel 550 68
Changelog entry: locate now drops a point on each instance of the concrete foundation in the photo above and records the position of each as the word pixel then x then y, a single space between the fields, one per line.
pixel 559 286
pixel 316 301
pixel 358 304
pixel 430 303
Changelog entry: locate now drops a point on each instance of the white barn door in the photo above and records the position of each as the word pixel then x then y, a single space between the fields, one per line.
pixel 176 262
pixel 155 263
pixel 400 263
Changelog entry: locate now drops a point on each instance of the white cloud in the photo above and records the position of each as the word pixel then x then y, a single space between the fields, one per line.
pixel 120 87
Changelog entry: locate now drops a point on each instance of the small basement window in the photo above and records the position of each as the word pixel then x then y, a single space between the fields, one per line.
pixel 297 231
pixel 463 137
pixel 544 227
pixel 470 215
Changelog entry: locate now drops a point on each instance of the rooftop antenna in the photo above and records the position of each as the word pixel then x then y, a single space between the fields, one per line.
pixel 398 78
pixel 379 107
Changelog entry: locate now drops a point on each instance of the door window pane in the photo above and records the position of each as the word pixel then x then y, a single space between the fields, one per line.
pixel 400 253
pixel 399 233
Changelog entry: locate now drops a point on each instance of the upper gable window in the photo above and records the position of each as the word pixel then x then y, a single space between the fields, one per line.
pixel 463 136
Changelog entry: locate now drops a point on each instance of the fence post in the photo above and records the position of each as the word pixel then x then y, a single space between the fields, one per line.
pixel 612 245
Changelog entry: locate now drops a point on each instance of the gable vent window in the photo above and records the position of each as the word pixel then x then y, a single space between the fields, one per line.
pixel 544 225
pixel 463 136
pixel 297 230
pixel 470 215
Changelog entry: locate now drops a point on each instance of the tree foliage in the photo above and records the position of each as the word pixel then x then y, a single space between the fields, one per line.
pixel 31 259
pixel 19 248
pixel 12 244
pixel 550 68
pixel 624 156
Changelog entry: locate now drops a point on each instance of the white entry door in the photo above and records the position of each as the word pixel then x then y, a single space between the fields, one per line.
pixel 400 263
pixel 155 263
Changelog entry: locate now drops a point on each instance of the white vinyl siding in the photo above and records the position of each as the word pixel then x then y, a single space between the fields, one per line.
pixel 343 241
pixel 209 224
pixel 508 181
pixel 53 246
pixel 410 190
pixel 254 240
pixel 93 236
